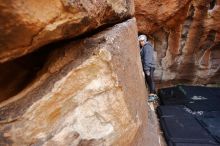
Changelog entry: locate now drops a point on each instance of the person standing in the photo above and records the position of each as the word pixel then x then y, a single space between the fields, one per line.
pixel 148 63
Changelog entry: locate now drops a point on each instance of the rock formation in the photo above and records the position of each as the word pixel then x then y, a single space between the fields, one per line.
pixel 186 38
pixel 88 92
pixel 69 76
pixel 70 70
pixel 28 25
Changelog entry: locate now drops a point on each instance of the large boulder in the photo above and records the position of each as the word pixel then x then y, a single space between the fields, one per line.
pixel 185 35
pixel 89 92
pixel 26 25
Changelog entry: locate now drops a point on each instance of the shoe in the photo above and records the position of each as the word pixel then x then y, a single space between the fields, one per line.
pixel 155 96
pixel 151 98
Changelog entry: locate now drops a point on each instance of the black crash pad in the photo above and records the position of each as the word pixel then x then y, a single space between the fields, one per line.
pixel 197 98
pixel 173 111
pixel 171 96
pixel 185 130
pixel 207 105
pixel 190 91
pixel 191 144
pixel 211 121
pixel 190 115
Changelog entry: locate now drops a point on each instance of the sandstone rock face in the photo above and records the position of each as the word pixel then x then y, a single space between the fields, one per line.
pixel 90 92
pixel 28 25
pixel 185 35
pixel 153 15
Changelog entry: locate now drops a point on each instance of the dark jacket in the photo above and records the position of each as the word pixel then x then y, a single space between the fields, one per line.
pixel 147 56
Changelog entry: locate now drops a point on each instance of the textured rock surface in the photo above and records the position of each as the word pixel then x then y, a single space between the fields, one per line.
pixel 89 92
pixel 28 25
pixel 186 38
pixel 153 15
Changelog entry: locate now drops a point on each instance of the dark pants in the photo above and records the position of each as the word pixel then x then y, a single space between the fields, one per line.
pixel 149 80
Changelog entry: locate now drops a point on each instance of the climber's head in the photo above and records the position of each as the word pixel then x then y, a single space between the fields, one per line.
pixel 142 40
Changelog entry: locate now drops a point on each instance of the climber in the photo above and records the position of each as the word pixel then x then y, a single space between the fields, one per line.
pixel 148 63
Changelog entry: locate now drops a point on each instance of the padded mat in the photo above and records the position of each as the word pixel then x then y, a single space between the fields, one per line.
pixel 171 96
pixel 191 144
pixel 185 130
pixel 198 91
pixel 173 111
pixel 197 98
pixel 190 115
pixel 208 105
pixel 211 121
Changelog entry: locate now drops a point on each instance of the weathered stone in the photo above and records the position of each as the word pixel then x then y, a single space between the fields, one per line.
pixel 153 15
pixel 89 92
pixel 28 25
pixel 185 35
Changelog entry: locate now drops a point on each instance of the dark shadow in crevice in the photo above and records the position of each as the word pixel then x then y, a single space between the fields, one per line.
pixel 15 75
pixel 186 27
pixel 212 4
